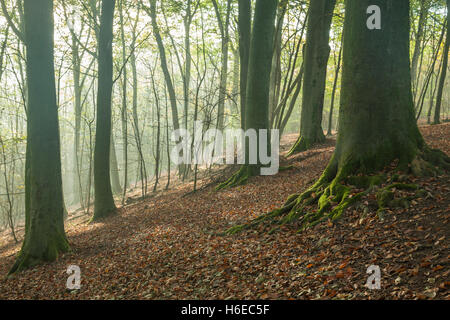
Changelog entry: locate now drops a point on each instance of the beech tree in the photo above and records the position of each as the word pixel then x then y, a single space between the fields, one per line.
pixel 104 201
pixel 257 95
pixel 245 33
pixel 317 53
pixel 437 110
pixel 45 237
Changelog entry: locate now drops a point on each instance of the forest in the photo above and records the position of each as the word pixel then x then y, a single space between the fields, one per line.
pixel 224 149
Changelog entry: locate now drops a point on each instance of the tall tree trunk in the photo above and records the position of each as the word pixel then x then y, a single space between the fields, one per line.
pixel 165 69
pixel 104 201
pixel 257 103
pixel 124 111
pixel 333 93
pixel 115 180
pixel 424 7
pixel 275 74
pixel 224 27
pixel 76 147
pixel 437 110
pixel 245 26
pixel 45 237
pixel 317 53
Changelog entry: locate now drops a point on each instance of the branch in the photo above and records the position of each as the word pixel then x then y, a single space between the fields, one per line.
pixel 19 34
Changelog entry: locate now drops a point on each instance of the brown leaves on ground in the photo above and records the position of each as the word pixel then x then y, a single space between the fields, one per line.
pixel 168 247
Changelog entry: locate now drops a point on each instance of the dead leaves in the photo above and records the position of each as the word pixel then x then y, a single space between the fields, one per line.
pixel 169 247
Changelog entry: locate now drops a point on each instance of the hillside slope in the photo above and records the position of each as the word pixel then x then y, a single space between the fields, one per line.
pixel 168 247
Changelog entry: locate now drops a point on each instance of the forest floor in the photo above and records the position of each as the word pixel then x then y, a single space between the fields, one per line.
pixel 168 246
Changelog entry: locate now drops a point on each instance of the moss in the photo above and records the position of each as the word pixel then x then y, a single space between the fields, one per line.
pixel 345 203
pixel 402 186
pixel 399 203
pixel 291 198
pixel 286 168
pixel 384 196
pixel 239 178
pixel 324 201
pixel 300 145
pixel 31 256
pixel 365 181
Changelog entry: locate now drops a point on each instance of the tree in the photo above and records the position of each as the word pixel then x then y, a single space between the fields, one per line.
pixel 317 53
pixel 437 110
pixel 225 35
pixel 104 201
pixel 424 7
pixel 45 237
pixel 257 95
pixel 164 66
pixel 377 126
pixel 245 32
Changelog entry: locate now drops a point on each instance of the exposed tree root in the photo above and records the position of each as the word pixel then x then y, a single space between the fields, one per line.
pixel 430 162
pixel 35 253
pixel 104 215
pixel 242 175
pixel 303 144
pixel 239 178
pixel 338 190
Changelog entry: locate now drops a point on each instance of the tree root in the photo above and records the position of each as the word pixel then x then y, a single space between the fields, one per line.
pixel 29 256
pixel 334 193
pixel 337 190
pixel 429 162
pixel 239 178
pixel 303 144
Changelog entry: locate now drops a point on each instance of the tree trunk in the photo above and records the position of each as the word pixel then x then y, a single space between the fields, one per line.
pixel 225 35
pixel 115 180
pixel 164 67
pixel 245 16
pixel 437 110
pixel 257 103
pixel 104 201
pixel 124 111
pixel 317 52
pixel 333 93
pixel 424 7
pixel 45 237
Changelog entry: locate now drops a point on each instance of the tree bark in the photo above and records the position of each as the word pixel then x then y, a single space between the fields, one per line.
pixel 317 52
pixel 104 201
pixel 45 237
pixel 245 16
pixel 257 96
pixel 437 110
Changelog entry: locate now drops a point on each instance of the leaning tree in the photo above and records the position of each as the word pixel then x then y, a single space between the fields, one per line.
pixel 377 127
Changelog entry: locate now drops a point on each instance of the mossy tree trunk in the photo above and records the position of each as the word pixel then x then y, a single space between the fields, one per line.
pixel 317 53
pixel 377 123
pixel 104 201
pixel 45 238
pixel 258 84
